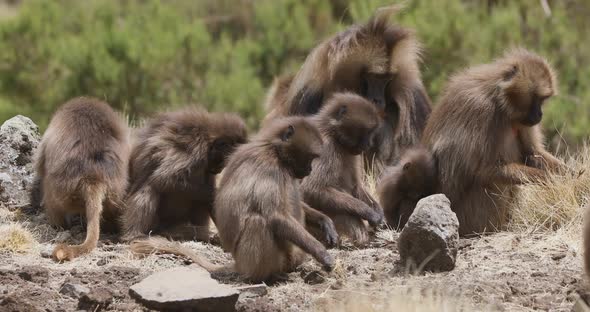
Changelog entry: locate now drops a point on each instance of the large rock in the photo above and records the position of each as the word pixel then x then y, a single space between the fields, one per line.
pixel 184 288
pixel 430 239
pixel 19 138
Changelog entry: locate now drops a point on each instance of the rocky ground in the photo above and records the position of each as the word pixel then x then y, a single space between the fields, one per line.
pixel 507 271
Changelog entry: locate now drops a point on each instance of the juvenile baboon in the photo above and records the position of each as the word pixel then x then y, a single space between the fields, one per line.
pixel 258 208
pixel 335 186
pixel 403 185
pixel 486 137
pixel 172 170
pixel 377 60
pixel 82 169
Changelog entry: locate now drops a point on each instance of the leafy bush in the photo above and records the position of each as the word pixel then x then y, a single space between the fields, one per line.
pixel 147 55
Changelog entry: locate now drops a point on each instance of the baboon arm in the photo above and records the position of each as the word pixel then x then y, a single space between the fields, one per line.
pixel 364 195
pixel 515 173
pixel 287 228
pixel 332 201
pixel 322 221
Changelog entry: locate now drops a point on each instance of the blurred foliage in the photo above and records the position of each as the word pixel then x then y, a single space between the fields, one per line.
pixel 143 56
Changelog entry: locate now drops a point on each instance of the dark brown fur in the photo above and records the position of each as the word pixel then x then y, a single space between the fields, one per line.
pixel 82 169
pixel 378 60
pixel 486 137
pixel 335 185
pixel 403 185
pixel 173 166
pixel 258 209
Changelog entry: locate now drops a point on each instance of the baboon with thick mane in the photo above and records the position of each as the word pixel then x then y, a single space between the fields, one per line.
pixel 403 185
pixel 347 123
pixel 81 168
pixel 172 168
pixel 377 60
pixel 258 208
pixel 486 137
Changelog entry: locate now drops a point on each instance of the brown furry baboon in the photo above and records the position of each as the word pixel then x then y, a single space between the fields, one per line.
pixel 586 240
pixel 335 186
pixel 403 185
pixel 82 169
pixel 378 60
pixel 486 137
pixel 258 209
pixel 172 170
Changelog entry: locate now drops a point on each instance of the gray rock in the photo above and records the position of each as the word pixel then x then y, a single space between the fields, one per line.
pixel 35 274
pixel 184 288
pixel 73 290
pixel 430 239
pixel 252 291
pixel 19 138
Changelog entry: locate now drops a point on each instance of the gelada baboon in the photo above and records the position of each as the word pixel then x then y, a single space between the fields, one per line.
pixel 82 169
pixel 258 208
pixel 335 186
pixel 378 60
pixel 403 185
pixel 486 137
pixel 586 239
pixel 172 171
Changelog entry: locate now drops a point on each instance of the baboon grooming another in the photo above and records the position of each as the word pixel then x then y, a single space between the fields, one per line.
pixel 258 209
pixel 172 170
pixel 486 137
pixel 403 185
pixel 347 122
pixel 82 168
pixel 377 60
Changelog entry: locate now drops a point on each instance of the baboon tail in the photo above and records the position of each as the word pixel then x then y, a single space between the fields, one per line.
pixel 146 246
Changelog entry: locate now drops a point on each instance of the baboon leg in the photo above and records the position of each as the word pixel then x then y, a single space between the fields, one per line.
pixel 94 199
pixel 515 173
pixel 140 215
pixel 334 202
pixel 289 229
pixel 319 220
pixel 201 218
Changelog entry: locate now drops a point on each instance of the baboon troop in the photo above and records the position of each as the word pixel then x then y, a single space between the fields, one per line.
pixel 378 60
pixel 347 123
pixel 486 138
pixel 357 108
pixel 81 168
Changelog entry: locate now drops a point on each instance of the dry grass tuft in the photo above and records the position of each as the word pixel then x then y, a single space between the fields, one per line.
pixel 413 299
pixel 15 238
pixel 556 204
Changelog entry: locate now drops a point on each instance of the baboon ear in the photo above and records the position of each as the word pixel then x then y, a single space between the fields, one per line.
pixel 510 73
pixel 287 133
pixel 407 166
pixel 341 112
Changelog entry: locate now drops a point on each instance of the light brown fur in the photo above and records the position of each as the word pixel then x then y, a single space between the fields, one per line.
pixel 586 241
pixel 258 209
pixel 340 63
pixel 82 169
pixel 173 166
pixel 486 137
pixel 335 185
pixel 403 185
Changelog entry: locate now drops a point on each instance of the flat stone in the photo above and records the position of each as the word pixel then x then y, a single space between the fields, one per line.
pixel 184 288
pixel 252 291
pixel 430 239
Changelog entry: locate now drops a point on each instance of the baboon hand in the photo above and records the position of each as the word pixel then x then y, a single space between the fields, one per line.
pixel 329 230
pixel 327 262
pixel 374 217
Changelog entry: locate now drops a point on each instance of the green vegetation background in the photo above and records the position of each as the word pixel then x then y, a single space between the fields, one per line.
pixel 143 56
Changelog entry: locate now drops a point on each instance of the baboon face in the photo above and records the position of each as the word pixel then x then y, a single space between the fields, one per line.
pixel 299 143
pixel 418 179
pixel 219 151
pixel 374 88
pixel 531 83
pixel 355 121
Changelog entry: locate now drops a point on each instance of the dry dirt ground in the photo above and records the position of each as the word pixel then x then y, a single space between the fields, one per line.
pixel 501 272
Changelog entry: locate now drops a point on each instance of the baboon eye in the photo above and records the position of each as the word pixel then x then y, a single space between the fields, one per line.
pixel 288 133
pixel 511 73
pixel 407 165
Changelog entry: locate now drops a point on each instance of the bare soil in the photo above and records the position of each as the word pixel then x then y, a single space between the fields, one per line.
pixel 500 272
